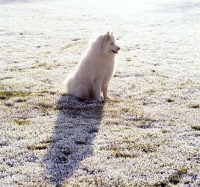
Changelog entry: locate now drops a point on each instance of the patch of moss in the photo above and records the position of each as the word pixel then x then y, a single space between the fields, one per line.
pixel 75 39
pixel 118 153
pixel 20 100
pixel 48 141
pixel 170 100
pixel 194 106
pixel 176 177
pixel 128 59
pixel 81 142
pixel 49 92
pixel 9 94
pixel 38 147
pixel 160 184
pixel 93 130
pixel 117 73
pixel 165 131
pixel 44 107
pixel 22 122
pixel 6 78
pixel 124 110
pixel 39 64
pixel 67 46
pixel 196 127
pixel 42 64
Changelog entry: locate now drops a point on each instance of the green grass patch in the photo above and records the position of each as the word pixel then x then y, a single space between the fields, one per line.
pixel 122 154
pixel 44 64
pixel 117 153
pixel 20 100
pixel 194 106
pixel 117 73
pixel 196 127
pixel 38 147
pixel 44 107
pixel 170 100
pixel 176 177
pixel 39 64
pixel 128 59
pixel 22 122
pixel 6 78
pixel 49 92
pixel 164 131
pixel 75 39
pixel 67 46
pixel 9 94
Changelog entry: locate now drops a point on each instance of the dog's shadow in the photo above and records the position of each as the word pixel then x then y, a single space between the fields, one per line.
pixel 72 139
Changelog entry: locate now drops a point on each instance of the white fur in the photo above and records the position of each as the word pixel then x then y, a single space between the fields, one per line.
pixel 95 69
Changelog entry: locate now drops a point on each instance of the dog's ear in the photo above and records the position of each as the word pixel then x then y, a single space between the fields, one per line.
pixel 106 37
pixel 107 34
pixel 112 34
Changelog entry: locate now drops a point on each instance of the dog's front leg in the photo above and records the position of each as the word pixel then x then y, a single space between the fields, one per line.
pixel 97 89
pixel 105 90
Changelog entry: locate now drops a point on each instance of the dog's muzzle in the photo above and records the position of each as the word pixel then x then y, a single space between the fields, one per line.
pixel 116 51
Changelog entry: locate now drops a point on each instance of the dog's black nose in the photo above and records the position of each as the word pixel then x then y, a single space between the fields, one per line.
pixel 118 48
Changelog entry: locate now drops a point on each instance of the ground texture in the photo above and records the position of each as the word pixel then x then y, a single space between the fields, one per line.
pixel 146 134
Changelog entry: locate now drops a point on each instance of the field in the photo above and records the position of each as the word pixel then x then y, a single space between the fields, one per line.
pixel 146 134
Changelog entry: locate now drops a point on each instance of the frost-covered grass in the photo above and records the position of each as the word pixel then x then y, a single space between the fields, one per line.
pixel 146 134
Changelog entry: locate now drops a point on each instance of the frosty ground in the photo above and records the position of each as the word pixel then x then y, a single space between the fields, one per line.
pixel 146 134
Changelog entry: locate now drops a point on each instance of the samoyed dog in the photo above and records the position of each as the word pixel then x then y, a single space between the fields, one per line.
pixel 95 69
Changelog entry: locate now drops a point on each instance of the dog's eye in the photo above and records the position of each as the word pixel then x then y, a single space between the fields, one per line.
pixel 111 43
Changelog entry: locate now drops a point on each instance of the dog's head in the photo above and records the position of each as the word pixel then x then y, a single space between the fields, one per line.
pixel 109 44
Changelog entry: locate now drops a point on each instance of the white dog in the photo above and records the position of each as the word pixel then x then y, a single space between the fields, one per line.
pixel 95 69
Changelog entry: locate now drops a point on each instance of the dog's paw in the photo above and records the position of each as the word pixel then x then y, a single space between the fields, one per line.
pixel 107 98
